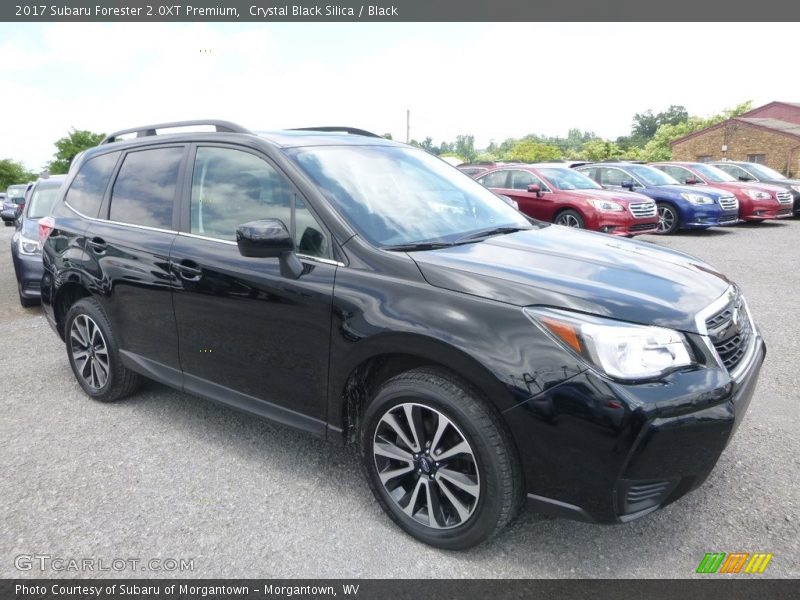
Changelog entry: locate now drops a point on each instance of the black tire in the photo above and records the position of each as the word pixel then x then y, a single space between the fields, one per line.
pixel 669 220
pixel 497 479
pixel 570 218
pixel 26 302
pixel 118 381
pixel 7 223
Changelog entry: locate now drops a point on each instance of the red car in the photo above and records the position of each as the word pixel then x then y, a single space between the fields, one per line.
pixel 555 193
pixel 757 201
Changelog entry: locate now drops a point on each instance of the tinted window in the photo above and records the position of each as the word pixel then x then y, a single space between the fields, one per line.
pixel 678 173
pixel 613 177
pixel 520 180
pixel 231 187
pixel 144 192
pixel 495 180
pixel 42 200
pixel 86 192
pixel 733 170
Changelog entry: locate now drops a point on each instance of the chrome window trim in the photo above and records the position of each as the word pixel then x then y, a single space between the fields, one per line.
pixel 325 261
pixel 134 225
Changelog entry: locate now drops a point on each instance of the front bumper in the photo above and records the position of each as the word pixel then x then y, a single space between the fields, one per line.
pixel 29 270
pixel 604 452
pixel 624 224
pixel 711 216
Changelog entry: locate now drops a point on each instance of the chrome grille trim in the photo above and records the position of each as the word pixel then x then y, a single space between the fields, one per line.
pixel 735 351
pixel 643 210
pixel 785 197
pixel 728 202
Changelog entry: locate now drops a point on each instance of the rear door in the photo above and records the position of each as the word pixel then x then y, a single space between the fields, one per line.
pixel 129 246
pixel 249 336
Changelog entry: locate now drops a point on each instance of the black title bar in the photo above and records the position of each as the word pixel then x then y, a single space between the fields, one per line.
pixel 406 11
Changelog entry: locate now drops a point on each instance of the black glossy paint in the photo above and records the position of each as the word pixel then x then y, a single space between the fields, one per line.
pixel 194 313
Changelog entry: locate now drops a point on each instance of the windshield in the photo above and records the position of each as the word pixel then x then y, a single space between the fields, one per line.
pixel 16 191
pixel 650 175
pixel 393 195
pixel 713 174
pixel 764 172
pixel 41 203
pixel 569 179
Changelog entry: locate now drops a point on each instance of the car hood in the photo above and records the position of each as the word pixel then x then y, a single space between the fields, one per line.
pixel 617 196
pixel 579 270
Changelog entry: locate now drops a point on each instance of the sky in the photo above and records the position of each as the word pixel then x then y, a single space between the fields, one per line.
pixel 491 80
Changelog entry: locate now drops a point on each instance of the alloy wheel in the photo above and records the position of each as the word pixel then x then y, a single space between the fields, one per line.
pixel 89 351
pixel 568 220
pixel 426 466
pixel 666 219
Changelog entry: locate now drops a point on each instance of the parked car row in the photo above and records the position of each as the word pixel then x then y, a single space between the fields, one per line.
pixel 13 203
pixel 629 198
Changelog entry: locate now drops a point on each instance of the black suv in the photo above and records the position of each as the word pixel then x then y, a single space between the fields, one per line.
pixel 366 291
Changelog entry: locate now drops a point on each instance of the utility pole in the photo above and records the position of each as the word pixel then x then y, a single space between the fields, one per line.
pixel 408 126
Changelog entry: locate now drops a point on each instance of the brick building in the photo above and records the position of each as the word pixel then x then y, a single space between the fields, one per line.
pixel 769 134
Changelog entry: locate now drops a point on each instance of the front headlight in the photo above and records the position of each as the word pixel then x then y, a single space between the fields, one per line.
pixel 697 198
pixel 758 195
pixel 606 205
pixel 26 245
pixel 618 349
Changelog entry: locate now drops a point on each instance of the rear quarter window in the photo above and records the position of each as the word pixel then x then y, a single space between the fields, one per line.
pixel 86 192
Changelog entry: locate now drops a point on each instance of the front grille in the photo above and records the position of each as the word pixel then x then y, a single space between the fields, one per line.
pixel 730 331
pixel 785 197
pixel 643 210
pixel 725 219
pixel 643 227
pixel 728 203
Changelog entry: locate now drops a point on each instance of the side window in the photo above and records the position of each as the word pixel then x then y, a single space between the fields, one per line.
pixel 86 192
pixel 613 177
pixel 590 172
pixel 144 191
pixel 733 170
pixel 495 180
pixel 678 173
pixel 520 180
pixel 231 187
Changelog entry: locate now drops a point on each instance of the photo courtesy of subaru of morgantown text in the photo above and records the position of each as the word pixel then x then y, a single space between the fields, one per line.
pixel 479 356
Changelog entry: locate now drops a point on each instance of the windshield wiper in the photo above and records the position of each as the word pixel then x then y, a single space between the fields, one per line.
pixel 484 233
pixel 413 247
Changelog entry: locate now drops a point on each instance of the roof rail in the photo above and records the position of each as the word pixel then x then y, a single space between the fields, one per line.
pixel 148 130
pixel 350 130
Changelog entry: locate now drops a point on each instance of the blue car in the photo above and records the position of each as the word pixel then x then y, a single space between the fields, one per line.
pixel 679 206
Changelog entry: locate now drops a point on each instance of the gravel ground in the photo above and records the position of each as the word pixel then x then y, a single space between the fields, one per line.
pixel 166 475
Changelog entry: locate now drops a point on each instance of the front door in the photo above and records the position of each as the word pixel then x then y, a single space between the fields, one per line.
pixel 249 336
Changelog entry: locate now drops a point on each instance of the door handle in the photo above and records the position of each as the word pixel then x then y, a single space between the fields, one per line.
pixel 188 270
pixel 97 244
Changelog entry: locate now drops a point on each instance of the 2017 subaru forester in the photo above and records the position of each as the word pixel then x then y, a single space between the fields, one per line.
pixel 366 291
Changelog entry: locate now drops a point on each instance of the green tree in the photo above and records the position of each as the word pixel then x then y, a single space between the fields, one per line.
pixel 13 172
pixel 530 150
pixel 68 147
pixel 646 124
pixel 465 147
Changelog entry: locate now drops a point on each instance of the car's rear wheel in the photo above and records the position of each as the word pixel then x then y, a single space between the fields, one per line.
pixel 94 354
pixel 570 218
pixel 668 219
pixel 439 461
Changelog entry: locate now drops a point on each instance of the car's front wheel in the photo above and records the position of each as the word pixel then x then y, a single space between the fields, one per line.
pixel 94 354
pixel 439 461
pixel 570 218
pixel 668 219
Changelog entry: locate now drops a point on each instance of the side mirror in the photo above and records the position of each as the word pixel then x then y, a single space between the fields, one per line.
pixel 690 181
pixel 269 238
pixel 628 185
pixel 745 178
pixel 535 188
